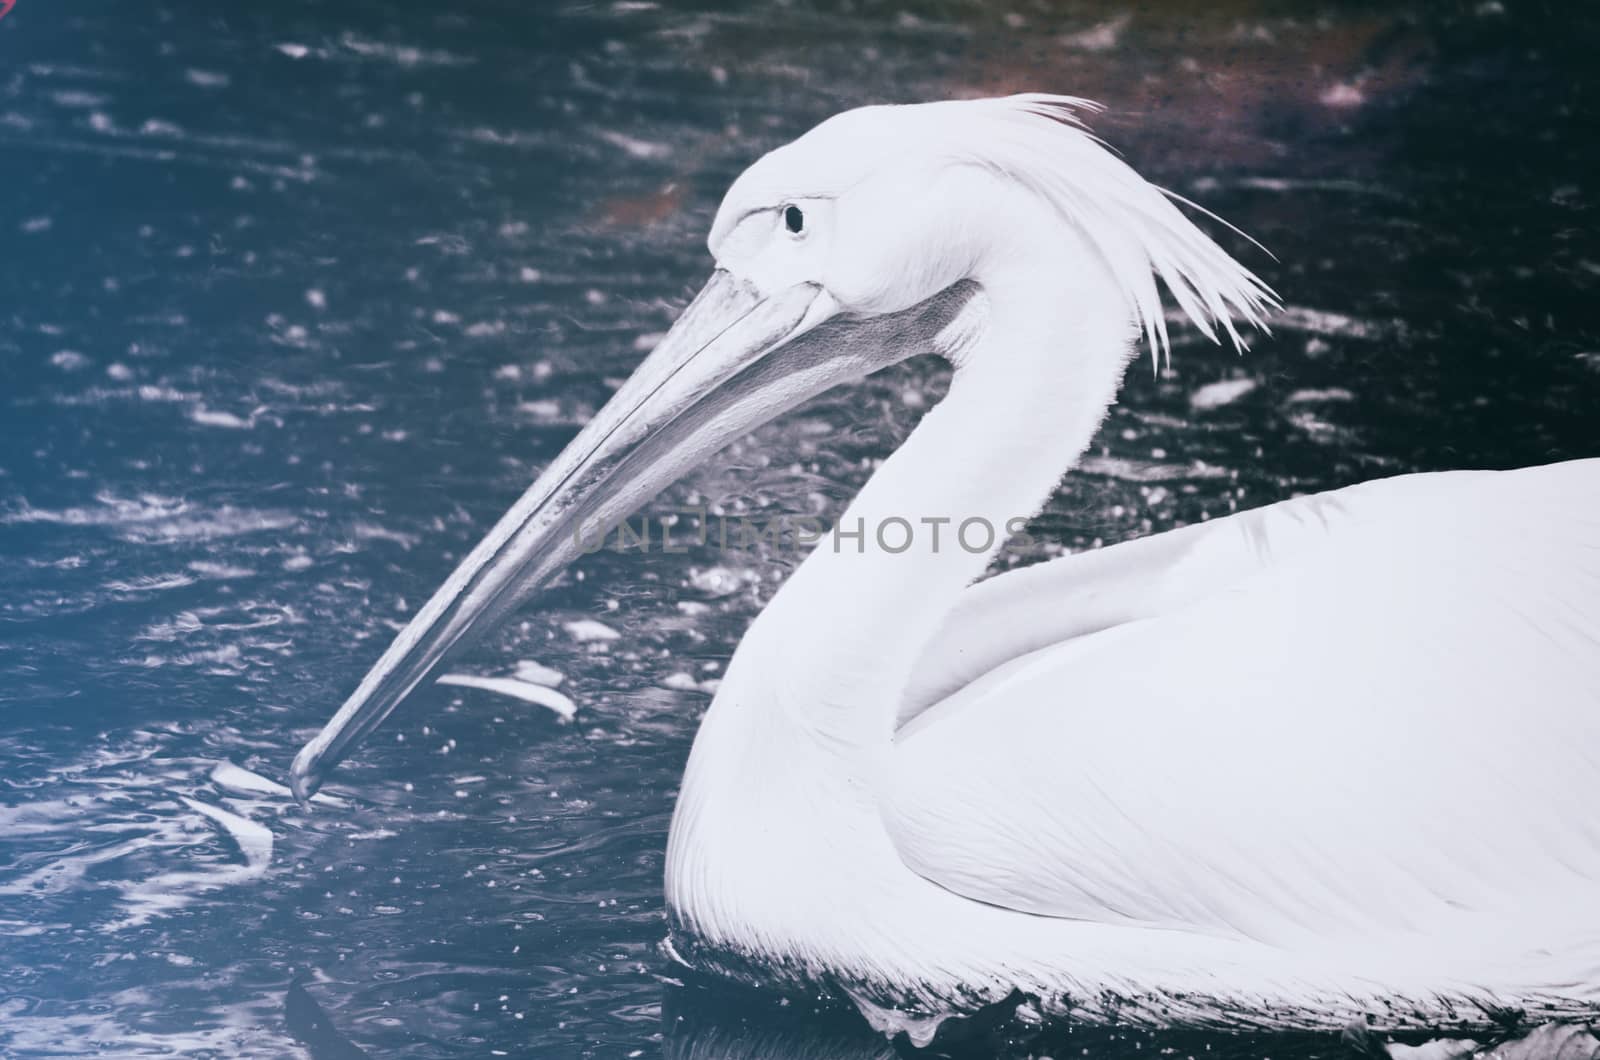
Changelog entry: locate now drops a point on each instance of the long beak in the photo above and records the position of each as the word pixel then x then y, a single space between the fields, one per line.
pixel 677 408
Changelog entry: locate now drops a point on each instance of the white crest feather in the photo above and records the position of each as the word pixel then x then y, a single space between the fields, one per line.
pixel 1040 141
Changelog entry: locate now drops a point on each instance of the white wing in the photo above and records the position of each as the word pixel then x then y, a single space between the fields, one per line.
pixel 1021 611
pixel 1371 711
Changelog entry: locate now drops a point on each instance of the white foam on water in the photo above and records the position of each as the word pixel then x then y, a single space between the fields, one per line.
pixel 536 673
pixel 242 781
pixel 526 691
pixel 1223 392
pixel 166 892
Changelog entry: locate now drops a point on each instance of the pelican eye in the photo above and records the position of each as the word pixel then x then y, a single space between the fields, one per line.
pixel 793 219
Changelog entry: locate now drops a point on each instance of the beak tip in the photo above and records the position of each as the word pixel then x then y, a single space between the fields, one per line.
pixel 304 777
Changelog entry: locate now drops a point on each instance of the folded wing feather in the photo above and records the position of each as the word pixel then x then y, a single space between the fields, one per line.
pixel 1375 710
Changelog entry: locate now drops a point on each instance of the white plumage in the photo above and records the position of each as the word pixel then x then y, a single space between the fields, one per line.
pixel 1336 758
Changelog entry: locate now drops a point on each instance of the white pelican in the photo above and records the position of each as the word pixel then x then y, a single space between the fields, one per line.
pixel 1334 759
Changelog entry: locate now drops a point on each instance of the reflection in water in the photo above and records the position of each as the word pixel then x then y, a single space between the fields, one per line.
pixel 311 1027
pixel 706 1021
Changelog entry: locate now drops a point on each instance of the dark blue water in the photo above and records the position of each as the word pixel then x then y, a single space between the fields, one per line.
pixel 296 297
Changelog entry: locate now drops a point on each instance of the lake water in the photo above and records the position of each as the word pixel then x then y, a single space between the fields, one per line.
pixel 296 297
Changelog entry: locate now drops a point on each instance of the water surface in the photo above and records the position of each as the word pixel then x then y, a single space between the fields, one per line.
pixel 299 296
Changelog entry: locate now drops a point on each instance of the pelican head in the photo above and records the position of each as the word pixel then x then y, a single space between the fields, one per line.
pixel 884 232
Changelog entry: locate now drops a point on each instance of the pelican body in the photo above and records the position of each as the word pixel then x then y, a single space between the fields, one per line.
pixel 1337 758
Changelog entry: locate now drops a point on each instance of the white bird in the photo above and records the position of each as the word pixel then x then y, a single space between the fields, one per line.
pixel 1337 758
